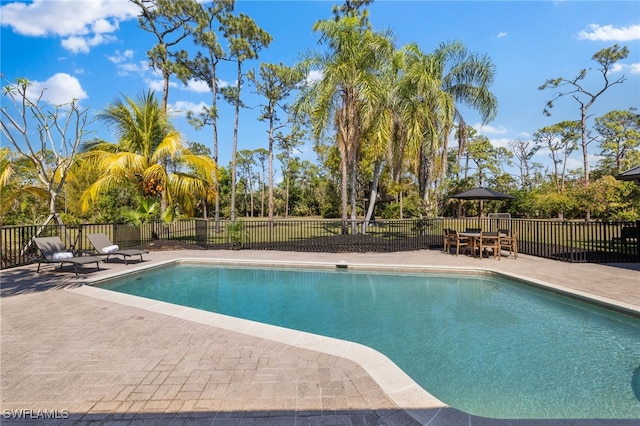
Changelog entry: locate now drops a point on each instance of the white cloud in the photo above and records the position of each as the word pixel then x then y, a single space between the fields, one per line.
pixel 182 107
pixel 133 68
pixel 502 34
pixel 125 65
pixel 155 85
pixel 119 57
pixel 81 24
pixel 102 26
pixel 197 86
pixel 574 163
pixel 631 68
pixel 542 152
pixel 101 39
pixel 596 32
pixel 58 89
pixel 490 130
pixel 222 84
pixel 76 44
pixel 501 142
pixel 314 76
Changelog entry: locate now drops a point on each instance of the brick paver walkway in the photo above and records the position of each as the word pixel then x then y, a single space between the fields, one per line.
pixel 104 361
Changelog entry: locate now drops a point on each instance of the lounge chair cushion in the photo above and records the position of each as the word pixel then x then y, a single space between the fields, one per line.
pixel 62 255
pixel 110 249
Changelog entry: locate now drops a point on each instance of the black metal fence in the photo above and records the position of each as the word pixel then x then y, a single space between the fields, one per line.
pixel 596 242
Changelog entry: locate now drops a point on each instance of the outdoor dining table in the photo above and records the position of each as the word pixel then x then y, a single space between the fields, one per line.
pixel 474 239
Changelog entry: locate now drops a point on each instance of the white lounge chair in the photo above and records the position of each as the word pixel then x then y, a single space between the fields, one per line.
pixel 105 247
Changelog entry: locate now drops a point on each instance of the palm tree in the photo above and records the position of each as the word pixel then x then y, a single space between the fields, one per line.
pixel 348 94
pixel 145 140
pixel 467 76
pixel 425 102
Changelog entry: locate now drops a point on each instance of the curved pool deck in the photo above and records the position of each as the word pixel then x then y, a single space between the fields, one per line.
pixel 101 356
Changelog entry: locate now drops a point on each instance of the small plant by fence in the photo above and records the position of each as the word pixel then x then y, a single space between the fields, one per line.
pixel 597 242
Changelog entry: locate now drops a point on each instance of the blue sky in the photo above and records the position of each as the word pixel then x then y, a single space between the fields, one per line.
pixel 93 50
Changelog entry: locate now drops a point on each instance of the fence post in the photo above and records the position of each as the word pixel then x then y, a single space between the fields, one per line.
pixel 637 240
pixel 79 238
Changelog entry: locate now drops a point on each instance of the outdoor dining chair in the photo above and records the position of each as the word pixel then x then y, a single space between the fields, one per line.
pixel 509 242
pixel 460 242
pixel 489 240
pixel 448 240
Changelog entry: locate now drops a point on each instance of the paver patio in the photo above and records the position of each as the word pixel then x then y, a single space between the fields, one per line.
pixel 68 349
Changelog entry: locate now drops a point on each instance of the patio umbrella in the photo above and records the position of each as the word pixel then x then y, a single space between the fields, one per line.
pixel 631 174
pixel 482 193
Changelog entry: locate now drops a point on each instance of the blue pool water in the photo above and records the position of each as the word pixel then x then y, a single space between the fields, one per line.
pixel 484 345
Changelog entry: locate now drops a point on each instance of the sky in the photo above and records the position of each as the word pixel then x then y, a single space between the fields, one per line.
pixel 94 51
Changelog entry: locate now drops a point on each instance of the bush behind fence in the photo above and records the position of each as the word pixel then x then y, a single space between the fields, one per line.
pixel 597 242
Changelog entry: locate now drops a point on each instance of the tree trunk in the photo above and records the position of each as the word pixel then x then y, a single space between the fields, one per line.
pixel 214 126
pixel 353 184
pixel 164 203
pixel 377 171
pixel 585 156
pixel 286 197
pixel 271 170
pixel 344 195
pixel 583 137
pixel 343 140
pixel 423 175
pixel 53 196
pixel 250 189
pixel 262 195
pixel 235 144
pixel 353 150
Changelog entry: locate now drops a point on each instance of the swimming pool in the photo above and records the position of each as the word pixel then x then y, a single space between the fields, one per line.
pixel 482 344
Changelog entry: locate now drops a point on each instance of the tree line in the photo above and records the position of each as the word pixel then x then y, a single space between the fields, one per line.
pixel 381 119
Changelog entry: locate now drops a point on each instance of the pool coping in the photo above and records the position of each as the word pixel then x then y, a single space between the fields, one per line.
pixel 394 382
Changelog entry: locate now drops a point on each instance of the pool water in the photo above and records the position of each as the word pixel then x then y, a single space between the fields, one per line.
pixel 484 345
